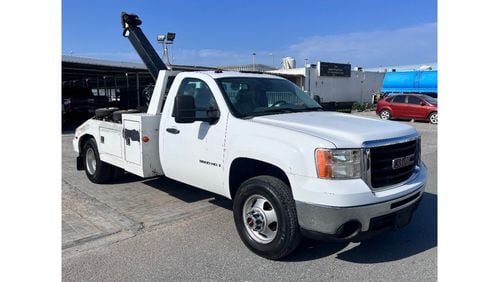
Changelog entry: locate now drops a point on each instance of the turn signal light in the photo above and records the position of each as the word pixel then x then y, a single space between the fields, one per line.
pixel 324 163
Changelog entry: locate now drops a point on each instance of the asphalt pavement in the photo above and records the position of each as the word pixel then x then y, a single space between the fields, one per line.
pixel 160 229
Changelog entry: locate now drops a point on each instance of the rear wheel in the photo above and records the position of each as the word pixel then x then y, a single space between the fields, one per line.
pixel 433 118
pixel 385 114
pixel 265 217
pixel 96 170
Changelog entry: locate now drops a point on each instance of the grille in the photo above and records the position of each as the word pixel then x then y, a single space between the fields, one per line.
pixel 381 159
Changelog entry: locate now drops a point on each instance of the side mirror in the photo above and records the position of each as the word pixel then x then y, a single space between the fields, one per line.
pixel 184 109
pixel 213 115
pixel 423 104
pixel 317 99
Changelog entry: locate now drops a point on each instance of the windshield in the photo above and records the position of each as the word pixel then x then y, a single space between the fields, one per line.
pixel 256 96
pixel 430 100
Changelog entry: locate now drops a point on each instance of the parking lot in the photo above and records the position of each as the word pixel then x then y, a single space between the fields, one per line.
pixel 160 229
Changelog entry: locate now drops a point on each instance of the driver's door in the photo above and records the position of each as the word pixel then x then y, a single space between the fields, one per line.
pixel 194 151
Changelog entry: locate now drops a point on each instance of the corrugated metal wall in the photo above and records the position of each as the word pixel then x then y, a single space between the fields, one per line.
pixel 360 87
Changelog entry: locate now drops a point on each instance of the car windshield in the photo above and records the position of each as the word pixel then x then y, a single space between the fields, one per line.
pixel 430 100
pixel 257 96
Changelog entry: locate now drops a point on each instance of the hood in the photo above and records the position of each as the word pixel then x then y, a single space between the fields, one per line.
pixel 343 130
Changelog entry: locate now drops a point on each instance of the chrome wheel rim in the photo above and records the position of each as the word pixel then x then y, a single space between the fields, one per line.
pixel 384 115
pixel 260 219
pixel 434 118
pixel 90 160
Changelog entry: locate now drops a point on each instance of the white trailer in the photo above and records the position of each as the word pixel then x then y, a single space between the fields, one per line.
pixel 359 87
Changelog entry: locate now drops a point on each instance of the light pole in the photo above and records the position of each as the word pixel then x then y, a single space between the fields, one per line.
pixel 305 63
pixel 164 40
pixel 272 55
pixel 253 54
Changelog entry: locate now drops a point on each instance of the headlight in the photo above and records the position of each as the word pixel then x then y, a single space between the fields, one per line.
pixel 338 164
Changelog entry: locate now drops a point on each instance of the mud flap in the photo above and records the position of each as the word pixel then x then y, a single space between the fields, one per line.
pixel 79 163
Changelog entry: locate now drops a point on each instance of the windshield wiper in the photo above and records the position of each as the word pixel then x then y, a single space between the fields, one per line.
pixel 293 110
pixel 282 111
pixel 312 109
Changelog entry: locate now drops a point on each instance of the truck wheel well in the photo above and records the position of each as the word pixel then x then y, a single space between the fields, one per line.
pixel 244 168
pixel 83 140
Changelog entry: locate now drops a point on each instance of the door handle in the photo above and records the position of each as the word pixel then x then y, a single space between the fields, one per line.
pixel 173 130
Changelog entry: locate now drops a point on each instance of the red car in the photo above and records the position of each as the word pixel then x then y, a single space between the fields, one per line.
pixel 408 106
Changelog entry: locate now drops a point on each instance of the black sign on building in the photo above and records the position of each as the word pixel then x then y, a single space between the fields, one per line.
pixel 334 69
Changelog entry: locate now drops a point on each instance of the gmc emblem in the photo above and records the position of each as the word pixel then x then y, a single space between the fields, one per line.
pixel 402 162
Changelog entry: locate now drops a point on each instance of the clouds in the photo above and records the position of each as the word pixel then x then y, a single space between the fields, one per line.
pixel 208 57
pixel 403 46
pixel 408 45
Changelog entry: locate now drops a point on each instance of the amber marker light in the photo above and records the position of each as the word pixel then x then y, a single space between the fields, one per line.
pixel 324 163
pixel 145 139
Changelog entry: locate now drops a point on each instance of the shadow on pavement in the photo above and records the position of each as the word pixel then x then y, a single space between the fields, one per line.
pixel 126 178
pixel 179 190
pixel 420 235
pixel 409 120
pixel 310 249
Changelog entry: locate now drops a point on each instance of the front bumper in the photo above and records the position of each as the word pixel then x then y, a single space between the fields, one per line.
pixel 356 223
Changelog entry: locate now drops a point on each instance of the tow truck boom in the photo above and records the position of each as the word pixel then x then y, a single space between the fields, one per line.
pixel 133 32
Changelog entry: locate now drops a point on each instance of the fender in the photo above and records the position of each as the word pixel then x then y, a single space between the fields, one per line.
pixel 291 151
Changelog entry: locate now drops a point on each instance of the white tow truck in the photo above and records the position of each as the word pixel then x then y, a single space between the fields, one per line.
pixel 291 169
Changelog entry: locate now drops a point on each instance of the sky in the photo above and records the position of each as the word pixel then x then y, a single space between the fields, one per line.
pixel 220 33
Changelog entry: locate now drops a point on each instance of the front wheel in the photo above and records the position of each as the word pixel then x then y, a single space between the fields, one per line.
pixel 385 115
pixel 433 118
pixel 265 217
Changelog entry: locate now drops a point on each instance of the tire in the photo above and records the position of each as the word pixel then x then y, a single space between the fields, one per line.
pixel 433 118
pixel 255 202
pixel 104 112
pixel 117 115
pixel 385 115
pixel 147 93
pixel 97 171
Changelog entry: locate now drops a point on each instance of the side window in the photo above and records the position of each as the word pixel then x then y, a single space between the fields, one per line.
pixel 203 97
pixel 399 99
pixel 414 100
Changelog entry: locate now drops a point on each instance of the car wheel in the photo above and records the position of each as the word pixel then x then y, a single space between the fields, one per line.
pixel 385 115
pixel 433 118
pixel 265 217
pixel 96 170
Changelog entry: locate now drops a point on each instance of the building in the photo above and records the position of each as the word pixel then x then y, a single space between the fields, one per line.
pixel 344 86
pixel 122 83
pixel 249 67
